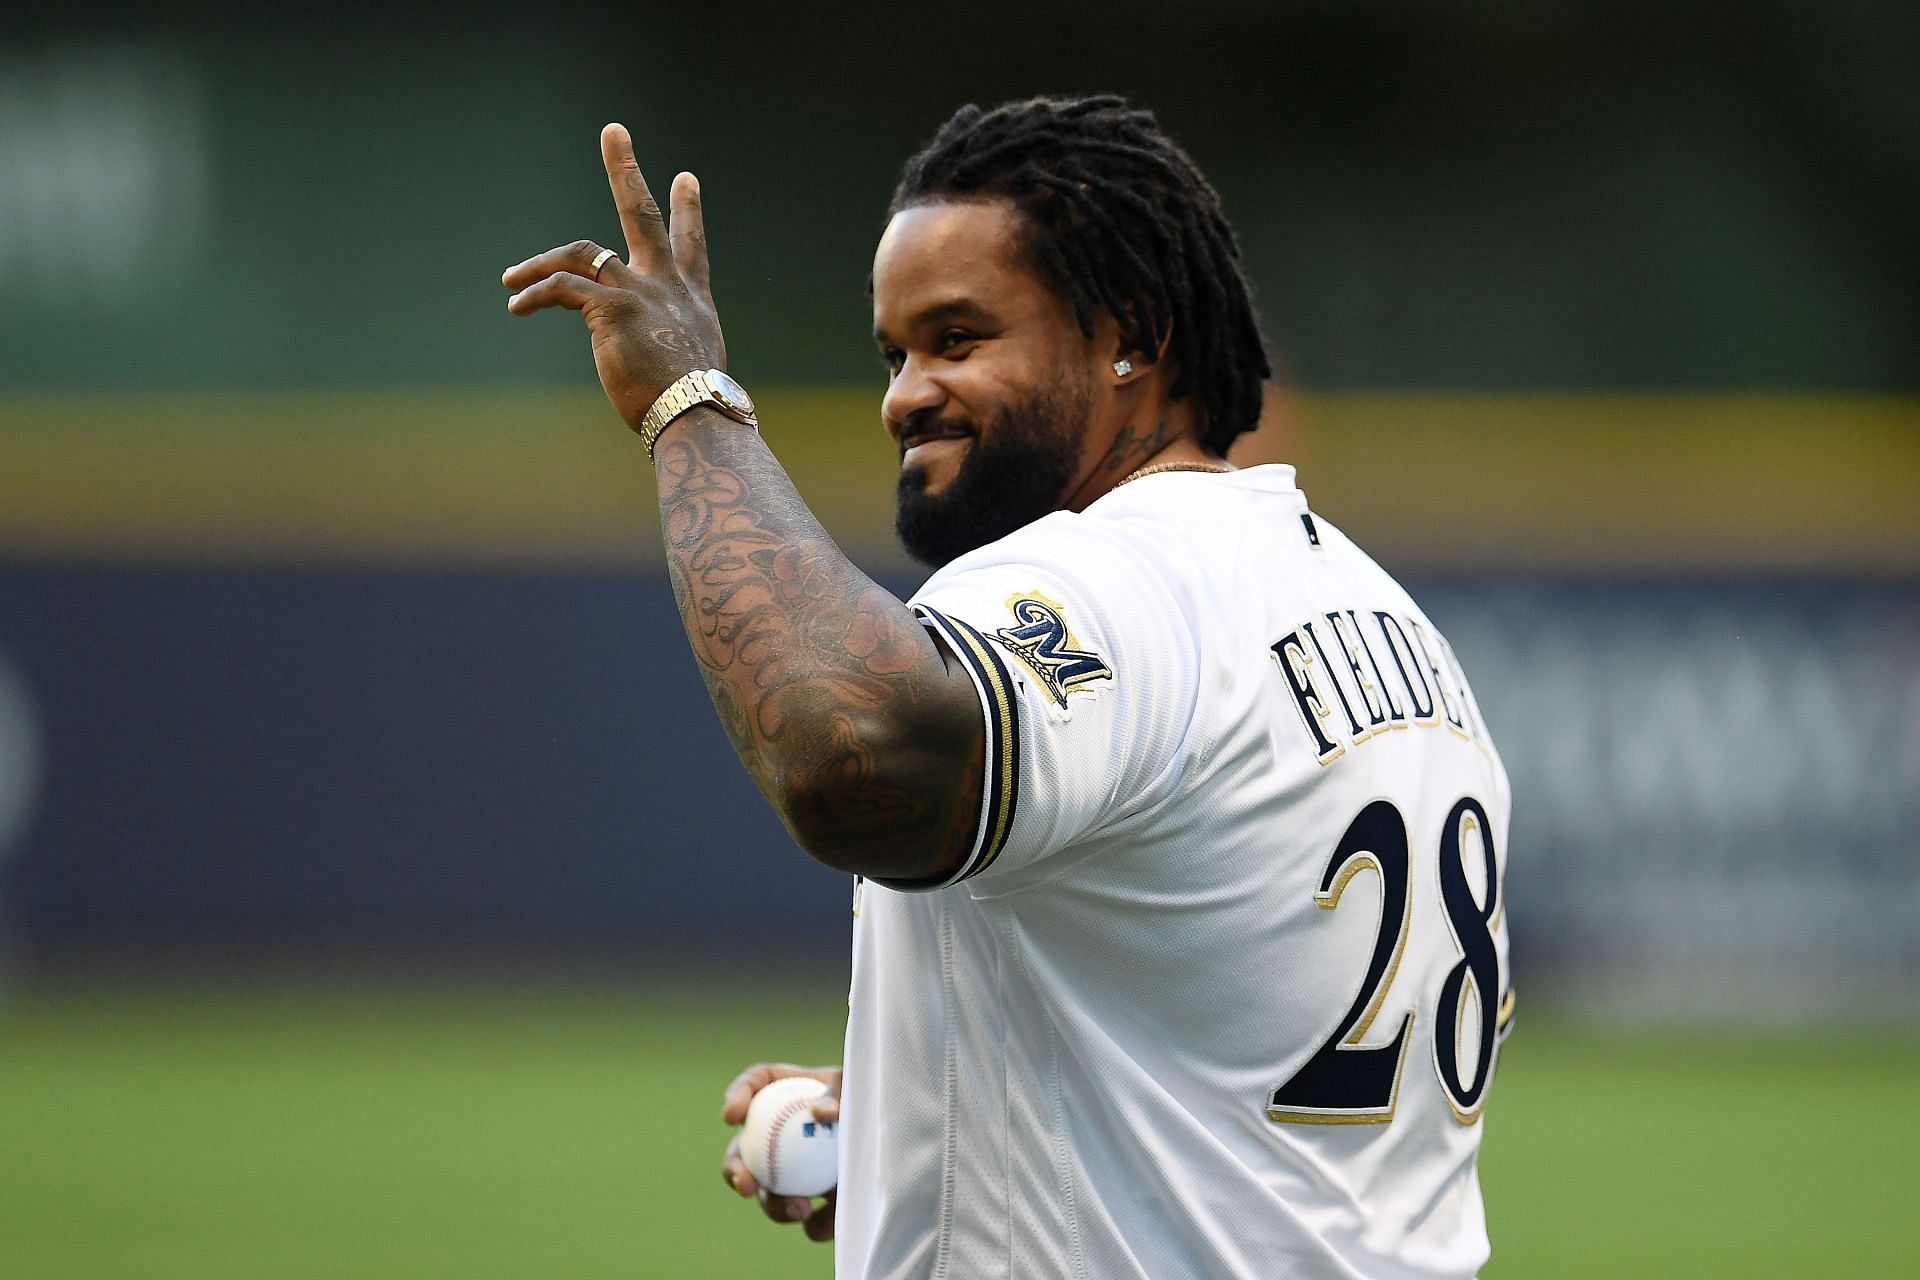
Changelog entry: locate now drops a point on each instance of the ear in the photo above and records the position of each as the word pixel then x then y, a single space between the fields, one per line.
pixel 1130 358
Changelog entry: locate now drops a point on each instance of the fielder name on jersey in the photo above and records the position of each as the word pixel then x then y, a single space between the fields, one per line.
pixel 1219 990
pixel 1420 685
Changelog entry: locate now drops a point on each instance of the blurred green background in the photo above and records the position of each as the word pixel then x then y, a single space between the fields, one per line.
pixel 378 896
pixel 575 1132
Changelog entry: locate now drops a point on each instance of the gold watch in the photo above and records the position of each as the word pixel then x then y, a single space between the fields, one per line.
pixel 702 386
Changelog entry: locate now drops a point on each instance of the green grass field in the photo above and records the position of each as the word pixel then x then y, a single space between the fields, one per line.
pixel 574 1134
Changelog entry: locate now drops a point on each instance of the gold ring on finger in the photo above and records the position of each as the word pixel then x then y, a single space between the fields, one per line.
pixel 599 261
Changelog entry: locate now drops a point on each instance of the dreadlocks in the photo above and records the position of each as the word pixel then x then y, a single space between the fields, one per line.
pixel 1122 220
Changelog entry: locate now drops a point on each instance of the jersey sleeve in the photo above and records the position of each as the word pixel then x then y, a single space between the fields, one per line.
pixel 1086 667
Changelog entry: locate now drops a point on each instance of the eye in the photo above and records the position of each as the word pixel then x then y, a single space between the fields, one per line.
pixel 894 357
pixel 956 342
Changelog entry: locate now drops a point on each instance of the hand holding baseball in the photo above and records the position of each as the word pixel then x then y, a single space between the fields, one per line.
pixel 825 1110
pixel 651 317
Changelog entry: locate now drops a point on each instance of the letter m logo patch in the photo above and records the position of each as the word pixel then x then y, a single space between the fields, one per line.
pixel 1041 640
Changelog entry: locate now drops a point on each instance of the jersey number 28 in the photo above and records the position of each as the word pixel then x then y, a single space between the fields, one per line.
pixel 1345 1082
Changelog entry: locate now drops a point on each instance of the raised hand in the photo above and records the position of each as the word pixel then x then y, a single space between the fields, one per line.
pixel 652 316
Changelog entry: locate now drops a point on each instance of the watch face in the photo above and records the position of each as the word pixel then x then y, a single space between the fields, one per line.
pixel 731 392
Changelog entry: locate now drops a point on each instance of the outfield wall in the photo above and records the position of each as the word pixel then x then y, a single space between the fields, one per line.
pixel 1715 782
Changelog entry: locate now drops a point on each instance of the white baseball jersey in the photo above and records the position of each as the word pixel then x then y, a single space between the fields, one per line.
pixel 1220 989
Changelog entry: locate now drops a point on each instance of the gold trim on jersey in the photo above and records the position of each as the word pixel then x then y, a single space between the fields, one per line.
pixel 1000 779
pixel 1283 1115
pixel 1471 1115
pixel 1331 899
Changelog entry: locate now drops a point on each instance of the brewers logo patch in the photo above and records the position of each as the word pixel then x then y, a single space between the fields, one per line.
pixel 1045 646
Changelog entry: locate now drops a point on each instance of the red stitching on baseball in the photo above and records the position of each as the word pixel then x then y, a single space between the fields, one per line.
pixel 779 1125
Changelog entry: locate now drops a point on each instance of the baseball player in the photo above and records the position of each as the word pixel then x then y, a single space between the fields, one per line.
pixel 1176 834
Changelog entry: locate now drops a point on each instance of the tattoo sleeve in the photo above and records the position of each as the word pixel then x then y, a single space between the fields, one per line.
pixel 842 707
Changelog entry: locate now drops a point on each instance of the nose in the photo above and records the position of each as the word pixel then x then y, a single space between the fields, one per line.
pixel 912 394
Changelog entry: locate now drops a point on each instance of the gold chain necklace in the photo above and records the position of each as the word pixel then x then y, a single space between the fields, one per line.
pixel 1175 466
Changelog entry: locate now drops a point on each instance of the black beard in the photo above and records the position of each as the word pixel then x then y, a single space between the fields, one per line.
pixel 1013 473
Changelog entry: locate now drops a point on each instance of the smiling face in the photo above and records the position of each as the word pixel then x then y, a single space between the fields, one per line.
pixel 994 393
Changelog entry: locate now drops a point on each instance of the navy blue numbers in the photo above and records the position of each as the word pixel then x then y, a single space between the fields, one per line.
pixel 1345 1082
pixel 1478 972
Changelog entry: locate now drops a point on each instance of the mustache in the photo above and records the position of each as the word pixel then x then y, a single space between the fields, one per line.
pixel 930 424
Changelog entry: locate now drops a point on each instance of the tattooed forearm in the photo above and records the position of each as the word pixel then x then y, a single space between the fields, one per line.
pixel 834 695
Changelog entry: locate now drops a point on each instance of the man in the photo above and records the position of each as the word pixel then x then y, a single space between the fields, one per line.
pixel 1124 1004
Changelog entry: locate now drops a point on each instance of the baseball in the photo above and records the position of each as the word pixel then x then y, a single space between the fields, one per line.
pixel 789 1152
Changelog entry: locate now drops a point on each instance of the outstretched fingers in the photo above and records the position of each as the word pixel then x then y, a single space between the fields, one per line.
pixel 640 216
pixel 688 233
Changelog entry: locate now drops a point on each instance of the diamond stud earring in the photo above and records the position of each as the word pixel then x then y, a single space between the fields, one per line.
pixel 1121 368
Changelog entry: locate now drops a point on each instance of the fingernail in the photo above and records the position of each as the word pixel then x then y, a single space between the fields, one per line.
pixel 796 1211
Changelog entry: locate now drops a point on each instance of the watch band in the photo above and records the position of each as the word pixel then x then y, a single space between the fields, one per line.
pixel 688 390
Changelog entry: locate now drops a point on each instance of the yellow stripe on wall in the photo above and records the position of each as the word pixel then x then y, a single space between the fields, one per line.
pixel 1588 483
pixel 535 478
pixel 1607 482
